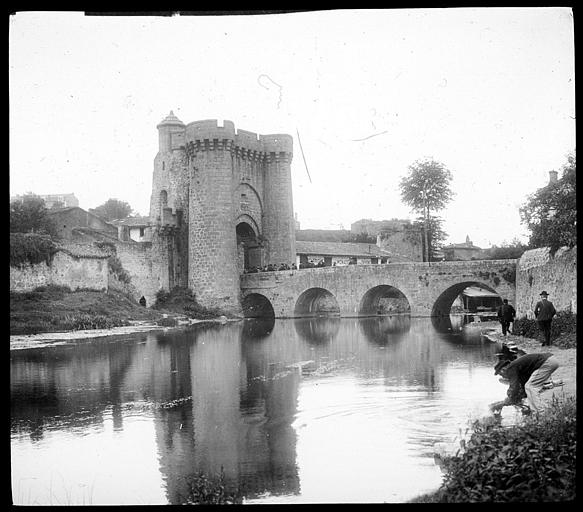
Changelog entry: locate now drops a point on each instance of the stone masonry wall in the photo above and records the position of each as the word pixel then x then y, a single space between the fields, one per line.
pixel 144 268
pixel 537 271
pixel 64 270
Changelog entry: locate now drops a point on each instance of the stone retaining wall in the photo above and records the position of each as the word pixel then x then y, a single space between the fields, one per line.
pixel 64 270
pixel 537 270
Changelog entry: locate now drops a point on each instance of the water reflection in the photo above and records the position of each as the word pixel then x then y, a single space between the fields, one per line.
pixel 288 409
pixel 257 328
pixel 317 331
pixel 387 329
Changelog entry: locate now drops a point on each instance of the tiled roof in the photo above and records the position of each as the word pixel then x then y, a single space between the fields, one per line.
pixel 132 222
pixel 339 249
pixel 479 292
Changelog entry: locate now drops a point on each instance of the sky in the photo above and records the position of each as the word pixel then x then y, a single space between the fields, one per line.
pixel 488 92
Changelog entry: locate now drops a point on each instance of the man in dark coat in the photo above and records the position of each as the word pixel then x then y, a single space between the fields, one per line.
pixel 527 375
pixel 544 311
pixel 506 314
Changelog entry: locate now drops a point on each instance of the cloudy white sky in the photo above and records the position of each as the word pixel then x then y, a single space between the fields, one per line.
pixel 489 92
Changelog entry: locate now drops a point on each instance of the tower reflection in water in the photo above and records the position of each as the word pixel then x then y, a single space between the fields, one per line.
pixel 239 418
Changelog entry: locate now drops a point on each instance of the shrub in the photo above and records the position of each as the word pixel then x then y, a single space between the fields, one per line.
pixel 182 300
pixel 30 248
pixel 117 270
pixel 205 490
pixel 563 329
pixel 533 461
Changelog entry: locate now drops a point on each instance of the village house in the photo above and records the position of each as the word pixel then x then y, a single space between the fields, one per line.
pixel 138 229
pixel 462 252
pixel 68 219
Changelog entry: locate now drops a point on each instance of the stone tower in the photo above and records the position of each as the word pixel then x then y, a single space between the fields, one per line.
pixel 224 196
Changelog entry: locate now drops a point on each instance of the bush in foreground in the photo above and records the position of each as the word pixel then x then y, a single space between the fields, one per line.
pixel 533 461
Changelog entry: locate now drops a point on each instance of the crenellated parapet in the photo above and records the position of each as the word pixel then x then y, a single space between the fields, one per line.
pixel 207 135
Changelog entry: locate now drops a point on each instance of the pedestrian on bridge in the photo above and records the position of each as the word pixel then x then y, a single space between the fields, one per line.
pixel 506 314
pixel 544 311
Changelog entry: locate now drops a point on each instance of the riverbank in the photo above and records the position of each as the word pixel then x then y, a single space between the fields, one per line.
pixel 567 357
pixel 55 315
pixel 545 444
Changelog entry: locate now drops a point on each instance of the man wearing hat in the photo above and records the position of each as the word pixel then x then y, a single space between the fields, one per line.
pixel 528 376
pixel 544 311
pixel 506 314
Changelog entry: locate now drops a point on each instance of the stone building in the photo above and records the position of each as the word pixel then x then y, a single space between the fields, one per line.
pixel 137 229
pixel 66 220
pixel 463 251
pixel 221 202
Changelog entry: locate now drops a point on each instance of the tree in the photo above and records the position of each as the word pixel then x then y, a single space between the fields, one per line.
pixel 435 235
pixel 551 212
pixel 426 189
pixel 29 215
pixel 507 251
pixel 113 209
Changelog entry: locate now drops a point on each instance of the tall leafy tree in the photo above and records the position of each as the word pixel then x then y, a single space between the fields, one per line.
pixel 113 209
pixel 435 235
pixel 426 189
pixel 29 215
pixel 551 212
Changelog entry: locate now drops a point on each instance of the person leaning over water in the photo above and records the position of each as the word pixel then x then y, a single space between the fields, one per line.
pixel 528 375
pixel 544 311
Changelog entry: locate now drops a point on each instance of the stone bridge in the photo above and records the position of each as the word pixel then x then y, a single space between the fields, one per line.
pixel 422 289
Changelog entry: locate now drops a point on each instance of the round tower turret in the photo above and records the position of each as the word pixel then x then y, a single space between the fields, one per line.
pixel 169 125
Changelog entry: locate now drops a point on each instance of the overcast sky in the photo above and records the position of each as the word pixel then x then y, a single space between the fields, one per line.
pixel 489 92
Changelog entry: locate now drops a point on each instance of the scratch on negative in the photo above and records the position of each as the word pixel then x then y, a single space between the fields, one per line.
pixel 266 87
pixel 370 136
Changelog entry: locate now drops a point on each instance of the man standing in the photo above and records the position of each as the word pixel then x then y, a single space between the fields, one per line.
pixel 527 375
pixel 506 314
pixel 544 311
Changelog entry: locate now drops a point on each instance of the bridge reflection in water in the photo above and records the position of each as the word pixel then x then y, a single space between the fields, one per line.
pixel 305 410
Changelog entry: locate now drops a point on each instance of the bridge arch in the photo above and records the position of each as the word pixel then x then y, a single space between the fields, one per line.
pixel 443 303
pixel 383 300
pixel 256 305
pixel 316 302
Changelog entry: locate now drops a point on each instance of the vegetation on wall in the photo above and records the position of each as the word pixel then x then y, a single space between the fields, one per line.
pixel 116 268
pixel 30 248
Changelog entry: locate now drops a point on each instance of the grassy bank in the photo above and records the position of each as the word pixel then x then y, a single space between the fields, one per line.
pixel 531 462
pixel 57 308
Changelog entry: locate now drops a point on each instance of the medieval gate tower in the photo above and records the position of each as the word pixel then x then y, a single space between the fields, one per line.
pixel 221 202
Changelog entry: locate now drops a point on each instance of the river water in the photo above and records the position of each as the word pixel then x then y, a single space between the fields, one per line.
pixel 324 410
